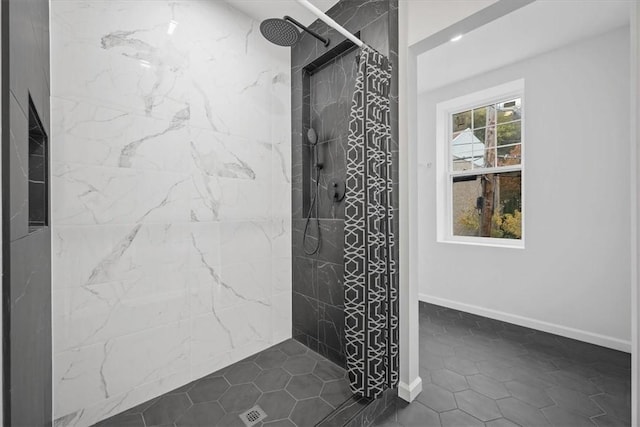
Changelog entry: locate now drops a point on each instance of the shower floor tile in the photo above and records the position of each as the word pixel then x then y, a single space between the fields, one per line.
pixel 292 384
pixel 479 371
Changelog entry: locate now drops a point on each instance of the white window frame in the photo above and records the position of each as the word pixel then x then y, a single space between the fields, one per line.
pixel 444 181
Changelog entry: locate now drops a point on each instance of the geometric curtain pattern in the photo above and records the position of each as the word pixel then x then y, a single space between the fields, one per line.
pixel 370 271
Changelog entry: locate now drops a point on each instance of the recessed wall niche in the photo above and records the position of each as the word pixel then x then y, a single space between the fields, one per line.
pixel 38 172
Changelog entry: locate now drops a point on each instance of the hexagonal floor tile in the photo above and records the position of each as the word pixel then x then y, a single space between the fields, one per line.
pixel 297 365
pixel 292 348
pixel 477 405
pixel 449 380
pixel 336 392
pixel 561 417
pixel 457 418
pixel 242 373
pixel 529 394
pixel 122 420
pixel 277 404
pixel 167 409
pixel 574 401
pixel 230 420
pixel 417 414
pixel 208 389
pixel 326 371
pixel 201 414
pixel 308 412
pixel 272 379
pixel 240 398
pixel 304 386
pixel 461 366
pixel 280 423
pixel 521 413
pixel 487 386
pixel 270 359
pixel 437 398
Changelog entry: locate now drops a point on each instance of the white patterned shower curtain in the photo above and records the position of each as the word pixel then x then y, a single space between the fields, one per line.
pixel 371 280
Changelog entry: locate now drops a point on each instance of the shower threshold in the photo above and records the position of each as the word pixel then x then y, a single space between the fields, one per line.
pixel 291 384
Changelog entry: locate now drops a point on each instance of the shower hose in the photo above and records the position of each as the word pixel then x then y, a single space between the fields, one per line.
pixel 314 206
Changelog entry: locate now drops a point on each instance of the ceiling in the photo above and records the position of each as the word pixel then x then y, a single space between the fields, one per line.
pixel 261 9
pixel 539 27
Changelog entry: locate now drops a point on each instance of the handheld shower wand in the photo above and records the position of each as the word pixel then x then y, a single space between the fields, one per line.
pixel 312 137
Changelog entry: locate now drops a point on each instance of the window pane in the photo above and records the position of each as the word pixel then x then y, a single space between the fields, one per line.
pixel 479 117
pixel 488 205
pixel 461 165
pixel 509 133
pixel 509 111
pixel 461 121
pixel 480 134
pixel 489 158
pixel 466 149
pixel 466 217
pixel 510 155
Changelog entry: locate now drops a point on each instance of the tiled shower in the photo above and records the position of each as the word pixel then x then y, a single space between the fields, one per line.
pixel 179 177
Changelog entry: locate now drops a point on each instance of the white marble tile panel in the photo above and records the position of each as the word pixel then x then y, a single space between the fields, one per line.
pixel 85 195
pixel 244 241
pixel 136 359
pixel 77 380
pixel 281 276
pixel 228 156
pixel 97 313
pixel 216 289
pixel 84 256
pixel 217 67
pixel 87 133
pixel 281 237
pixel 281 317
pixel 205 240
pixel 281 101
pixel 119 53
pixel 91 413
pixel 247 282
pixel 245 200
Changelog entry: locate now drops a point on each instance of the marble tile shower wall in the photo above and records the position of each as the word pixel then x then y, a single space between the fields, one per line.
pixel 170 198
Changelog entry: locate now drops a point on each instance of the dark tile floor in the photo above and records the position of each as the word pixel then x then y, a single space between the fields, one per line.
pixel 482 372
pixel 292 384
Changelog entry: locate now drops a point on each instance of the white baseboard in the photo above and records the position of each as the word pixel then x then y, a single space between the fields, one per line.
pixel 409 392
pixel 576 334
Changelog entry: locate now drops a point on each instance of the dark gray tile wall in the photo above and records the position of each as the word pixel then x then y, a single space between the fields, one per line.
pixel 322 88
pixel 26 253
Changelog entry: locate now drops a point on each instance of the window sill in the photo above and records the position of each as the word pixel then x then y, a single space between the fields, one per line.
pixel 484 241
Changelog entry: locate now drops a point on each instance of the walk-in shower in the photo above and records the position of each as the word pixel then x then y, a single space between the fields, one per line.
pixel 183 293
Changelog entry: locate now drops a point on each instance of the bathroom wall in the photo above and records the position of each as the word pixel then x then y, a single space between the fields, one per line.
pixel 26 248
pixel 573 276
pixel 322 86
pixel 170 199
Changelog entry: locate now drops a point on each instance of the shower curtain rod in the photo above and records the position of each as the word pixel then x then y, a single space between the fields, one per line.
pixel 330 22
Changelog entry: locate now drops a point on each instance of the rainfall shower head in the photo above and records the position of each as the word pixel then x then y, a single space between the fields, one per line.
pixel 280 32
pixel 283 32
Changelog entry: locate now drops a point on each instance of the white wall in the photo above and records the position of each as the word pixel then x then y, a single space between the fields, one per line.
pixel 427 17
pixel 573 276
pixel 170 198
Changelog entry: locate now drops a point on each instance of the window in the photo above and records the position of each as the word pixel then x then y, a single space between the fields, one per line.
pixel 480 145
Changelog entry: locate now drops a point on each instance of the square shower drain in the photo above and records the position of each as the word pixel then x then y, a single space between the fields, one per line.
pixel 253 416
